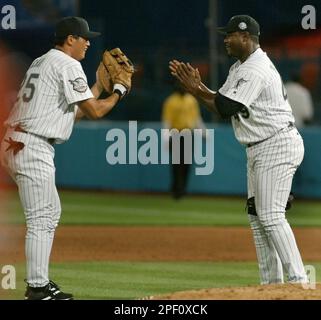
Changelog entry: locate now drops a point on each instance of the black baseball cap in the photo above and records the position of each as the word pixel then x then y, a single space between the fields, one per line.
pixel 75 26
pixel 241 23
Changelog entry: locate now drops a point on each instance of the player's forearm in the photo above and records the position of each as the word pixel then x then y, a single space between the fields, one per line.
pixel 206 97
pixel 95 109
pixel 106 105
pixel 97 89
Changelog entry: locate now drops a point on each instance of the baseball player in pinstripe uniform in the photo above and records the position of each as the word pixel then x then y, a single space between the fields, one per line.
pixel 254 97
pixel 53 94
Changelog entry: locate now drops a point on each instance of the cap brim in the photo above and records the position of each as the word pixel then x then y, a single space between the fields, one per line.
pixel 92 34
pixel 222 30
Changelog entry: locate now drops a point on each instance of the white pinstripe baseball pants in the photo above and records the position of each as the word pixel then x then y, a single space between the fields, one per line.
pixel 271 167
pixel 33 170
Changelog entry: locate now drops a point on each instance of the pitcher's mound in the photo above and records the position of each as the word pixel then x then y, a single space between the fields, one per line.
pixel 266 292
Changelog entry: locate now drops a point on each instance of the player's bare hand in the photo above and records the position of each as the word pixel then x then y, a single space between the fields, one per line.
pixel 173 66
pixel 188 76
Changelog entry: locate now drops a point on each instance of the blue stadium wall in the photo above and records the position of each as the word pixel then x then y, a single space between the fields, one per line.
pixel 81 163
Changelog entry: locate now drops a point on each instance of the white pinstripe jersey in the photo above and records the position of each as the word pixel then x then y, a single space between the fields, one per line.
pixel 46 104
pixel 258 86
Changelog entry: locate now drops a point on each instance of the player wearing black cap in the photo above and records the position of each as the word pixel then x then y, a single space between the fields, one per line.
pixel 254 98
pixel 53 94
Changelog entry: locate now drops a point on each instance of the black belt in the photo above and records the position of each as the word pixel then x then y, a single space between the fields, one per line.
pixel 290 125
pixel 17 128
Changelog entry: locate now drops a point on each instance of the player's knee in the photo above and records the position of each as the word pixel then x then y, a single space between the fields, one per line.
pixel 272 219
pixel 268 218
pixel 252 211
pixel 55 221
pixel 289 203
pixel 41 223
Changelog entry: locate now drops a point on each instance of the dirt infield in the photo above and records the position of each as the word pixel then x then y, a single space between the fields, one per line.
pixel 87 243
pixel 268 292
pixel 106 243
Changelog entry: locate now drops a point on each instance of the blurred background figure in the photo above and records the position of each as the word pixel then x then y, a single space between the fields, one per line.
pixel 180 111
pixel 300 100
pixel 9 84
pixel 3 114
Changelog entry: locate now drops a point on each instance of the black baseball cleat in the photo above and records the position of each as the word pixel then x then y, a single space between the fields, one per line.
pixel 49 292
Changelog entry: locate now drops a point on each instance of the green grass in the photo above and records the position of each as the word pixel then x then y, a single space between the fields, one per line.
pixel 126 209
pixel 126 280
pixel 134 280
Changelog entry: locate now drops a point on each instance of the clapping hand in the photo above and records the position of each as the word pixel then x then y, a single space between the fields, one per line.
pixel 188 76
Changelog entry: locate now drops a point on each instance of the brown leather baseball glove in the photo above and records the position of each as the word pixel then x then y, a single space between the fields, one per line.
pixel 103 77
pixel 115 68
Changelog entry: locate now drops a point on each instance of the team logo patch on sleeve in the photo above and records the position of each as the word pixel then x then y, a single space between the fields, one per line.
pixel 238 84
pixel 79 85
